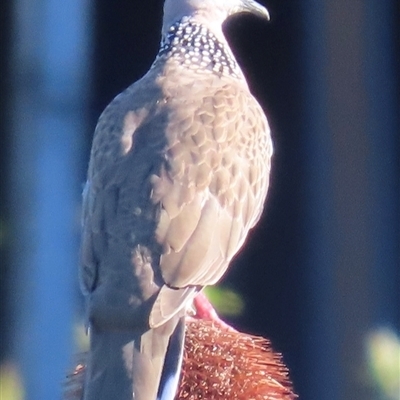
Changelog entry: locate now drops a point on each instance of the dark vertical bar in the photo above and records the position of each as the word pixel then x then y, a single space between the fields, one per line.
pixel 347 118
pixel 321 360
pixel 383 131
pixel 353 216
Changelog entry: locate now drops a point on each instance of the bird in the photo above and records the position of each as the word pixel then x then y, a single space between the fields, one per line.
pixel 178 175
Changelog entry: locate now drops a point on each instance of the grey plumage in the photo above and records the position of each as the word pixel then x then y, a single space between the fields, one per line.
pixel 178 175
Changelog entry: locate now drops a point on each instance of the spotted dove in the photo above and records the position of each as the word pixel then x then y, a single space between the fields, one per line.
pixel 178 174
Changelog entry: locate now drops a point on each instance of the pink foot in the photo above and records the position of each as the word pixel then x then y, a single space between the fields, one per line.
pixel 205 310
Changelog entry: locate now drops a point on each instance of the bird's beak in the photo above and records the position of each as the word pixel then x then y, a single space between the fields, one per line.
pixel 252 7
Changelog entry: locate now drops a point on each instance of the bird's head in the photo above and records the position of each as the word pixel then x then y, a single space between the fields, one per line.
pixel 211 13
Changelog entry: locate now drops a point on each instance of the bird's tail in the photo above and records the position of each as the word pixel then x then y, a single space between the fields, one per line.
pixel 144 366
pixel 107 376
pixel 173 363
pixel 157 360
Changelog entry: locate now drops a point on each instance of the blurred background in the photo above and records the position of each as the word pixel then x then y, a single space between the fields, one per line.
pixel 319 275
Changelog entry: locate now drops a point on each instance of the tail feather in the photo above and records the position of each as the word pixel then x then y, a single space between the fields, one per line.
pixel 107 376
pixel 157 361
pixel 128 366
pixel 172 363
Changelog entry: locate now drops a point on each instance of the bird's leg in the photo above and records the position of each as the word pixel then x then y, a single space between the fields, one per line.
pixel 205 310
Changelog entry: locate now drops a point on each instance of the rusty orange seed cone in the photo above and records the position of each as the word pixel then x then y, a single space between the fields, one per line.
pixel 219 364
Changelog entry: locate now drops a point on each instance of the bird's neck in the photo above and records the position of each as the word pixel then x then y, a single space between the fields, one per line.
pixel 194 46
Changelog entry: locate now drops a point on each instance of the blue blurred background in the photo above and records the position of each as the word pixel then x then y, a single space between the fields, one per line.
pixel 320 275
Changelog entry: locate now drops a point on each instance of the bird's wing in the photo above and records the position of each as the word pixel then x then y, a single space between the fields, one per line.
pixel 116 198
pixel 212 186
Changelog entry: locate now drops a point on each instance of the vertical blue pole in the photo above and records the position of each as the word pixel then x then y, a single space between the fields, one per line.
pixel 49 88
